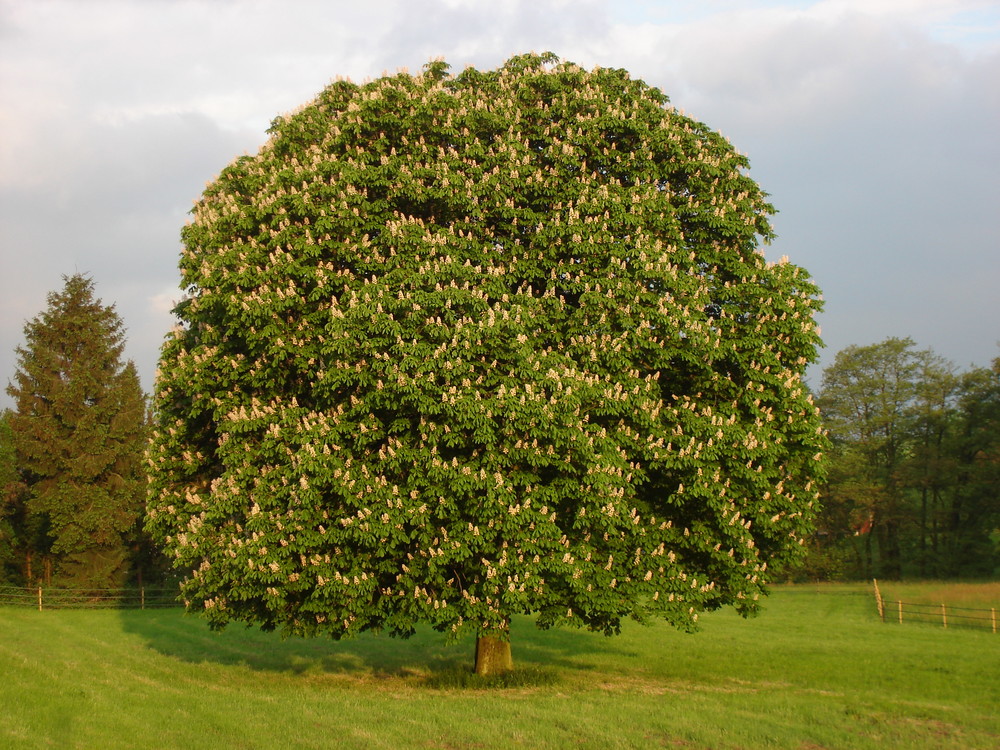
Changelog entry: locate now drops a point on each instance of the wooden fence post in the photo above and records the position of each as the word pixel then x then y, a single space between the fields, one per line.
pixel 39 598
pixel 993 618
pixel 899 604
pixel 878 600
pixel 142 598
pixel 944 616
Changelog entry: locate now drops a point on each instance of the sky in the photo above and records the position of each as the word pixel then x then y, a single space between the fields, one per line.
pixel 872 124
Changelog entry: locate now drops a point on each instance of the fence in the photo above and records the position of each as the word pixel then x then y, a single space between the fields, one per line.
pixel 938 614
pixel 63 598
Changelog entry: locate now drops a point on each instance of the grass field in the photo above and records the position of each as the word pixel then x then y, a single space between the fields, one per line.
pixel 816 670
pixel 982 595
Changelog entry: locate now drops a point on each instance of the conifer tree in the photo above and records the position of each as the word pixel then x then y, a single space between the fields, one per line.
pixel 459 347
pixel 11 505
pixel 78 430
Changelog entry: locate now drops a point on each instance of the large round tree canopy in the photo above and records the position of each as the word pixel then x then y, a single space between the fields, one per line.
pixel 460 347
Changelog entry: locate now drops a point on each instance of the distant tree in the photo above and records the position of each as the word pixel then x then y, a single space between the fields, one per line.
pixel 78 431
pixel 929 471
pixel 866 400
pixel 970 513
pixel 913 483
pixel 462 347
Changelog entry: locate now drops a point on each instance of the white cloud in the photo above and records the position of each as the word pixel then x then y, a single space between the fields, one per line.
pixel 162 303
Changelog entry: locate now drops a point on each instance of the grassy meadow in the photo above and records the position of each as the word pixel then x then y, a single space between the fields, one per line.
pixel 981 595
pixel 816 670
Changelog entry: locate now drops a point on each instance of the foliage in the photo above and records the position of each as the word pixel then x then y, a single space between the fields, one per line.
pixel 11 502
pixel 969 545
pixel 78 432
pixel 462 347
pixel 913 484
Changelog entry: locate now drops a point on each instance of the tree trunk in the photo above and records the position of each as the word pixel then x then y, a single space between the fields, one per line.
pixel 893 554
pixel 868 553
pixel 493 655
pixel 923 530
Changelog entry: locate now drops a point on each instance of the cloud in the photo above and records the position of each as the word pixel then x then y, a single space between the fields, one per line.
pixel 870 123
pixel 162 303
pixel 107 198
pixel 874 137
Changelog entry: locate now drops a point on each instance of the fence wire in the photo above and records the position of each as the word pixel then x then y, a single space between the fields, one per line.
pixel 47 597
pixel 940 614
pixel 945 615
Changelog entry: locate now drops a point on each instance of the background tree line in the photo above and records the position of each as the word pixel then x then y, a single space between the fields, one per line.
pixel 913 486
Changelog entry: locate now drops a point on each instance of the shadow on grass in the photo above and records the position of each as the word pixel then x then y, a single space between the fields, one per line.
pixel 426 659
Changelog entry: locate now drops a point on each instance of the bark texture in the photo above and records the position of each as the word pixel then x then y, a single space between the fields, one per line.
pixel 493 656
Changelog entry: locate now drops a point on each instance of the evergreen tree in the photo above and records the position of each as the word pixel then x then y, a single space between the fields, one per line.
pixel 78 431
pixel 11 506
pixel 463 347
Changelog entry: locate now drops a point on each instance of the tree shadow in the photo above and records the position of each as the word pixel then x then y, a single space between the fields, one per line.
pixel 423 659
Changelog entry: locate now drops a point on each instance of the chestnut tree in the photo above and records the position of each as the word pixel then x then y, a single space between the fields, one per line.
pixel 460 347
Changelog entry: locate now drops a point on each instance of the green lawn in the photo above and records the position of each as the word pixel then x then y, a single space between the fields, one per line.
pixel 816 670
